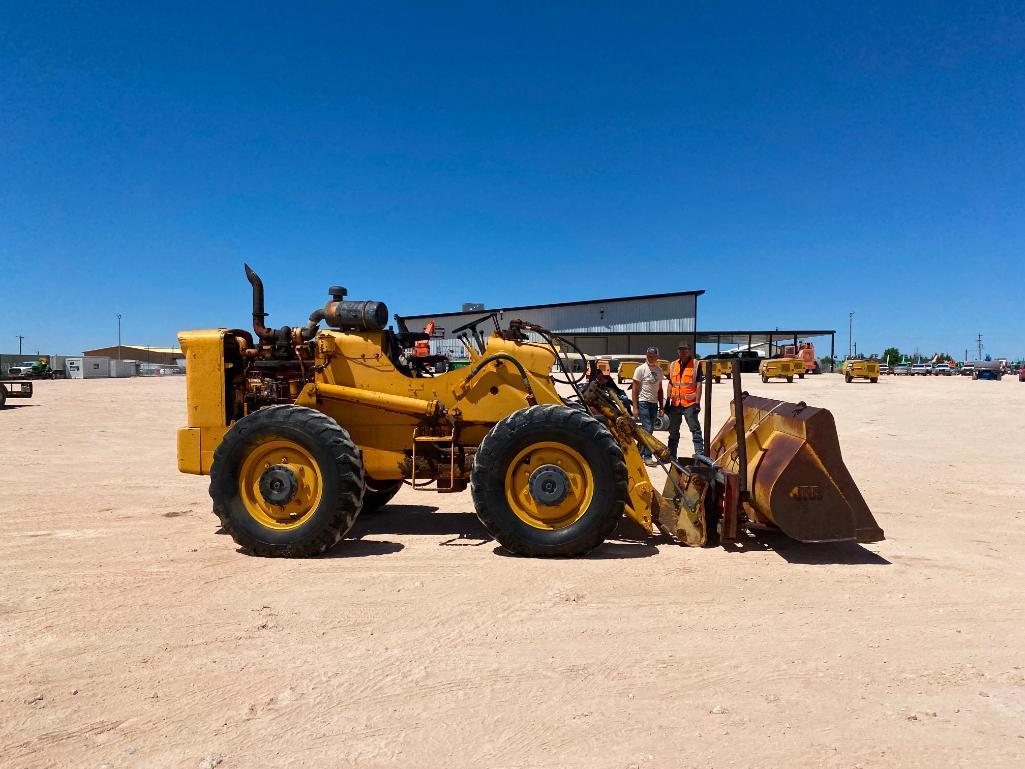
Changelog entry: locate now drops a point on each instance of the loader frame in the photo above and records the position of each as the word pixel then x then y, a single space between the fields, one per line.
pixel 388 422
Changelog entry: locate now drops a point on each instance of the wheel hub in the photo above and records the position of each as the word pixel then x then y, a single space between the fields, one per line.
pixel 549 485
pixel 278 484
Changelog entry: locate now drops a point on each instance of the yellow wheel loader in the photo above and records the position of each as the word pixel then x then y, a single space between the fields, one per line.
pixel 301 429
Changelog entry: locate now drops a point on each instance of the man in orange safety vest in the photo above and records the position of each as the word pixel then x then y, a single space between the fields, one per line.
pixel 684 401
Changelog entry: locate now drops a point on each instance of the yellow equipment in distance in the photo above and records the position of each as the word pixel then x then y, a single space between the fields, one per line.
pixel 856 368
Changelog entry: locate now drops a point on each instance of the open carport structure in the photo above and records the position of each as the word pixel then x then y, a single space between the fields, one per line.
pixel 766 340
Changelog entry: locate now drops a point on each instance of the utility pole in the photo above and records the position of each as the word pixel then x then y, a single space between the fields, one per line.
pixel 119 336
pixel 850 333
pixel 979 341
pixel 20 339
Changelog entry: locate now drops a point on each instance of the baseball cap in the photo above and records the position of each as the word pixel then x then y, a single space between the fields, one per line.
pixel 651 351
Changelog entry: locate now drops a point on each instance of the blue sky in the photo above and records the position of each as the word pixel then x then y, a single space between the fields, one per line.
pixel 797 163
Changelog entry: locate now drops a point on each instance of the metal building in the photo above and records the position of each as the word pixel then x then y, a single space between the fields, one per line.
pixel 617 326
pixel 169 356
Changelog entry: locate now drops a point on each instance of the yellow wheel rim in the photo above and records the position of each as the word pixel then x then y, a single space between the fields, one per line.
pixel 549 486
pixel 280 484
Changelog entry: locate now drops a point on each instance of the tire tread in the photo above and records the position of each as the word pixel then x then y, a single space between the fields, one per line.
pixel 487 473
pixel 343 452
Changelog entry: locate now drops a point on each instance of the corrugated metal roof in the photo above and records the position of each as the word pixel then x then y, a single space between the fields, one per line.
pixel 558 304
pixel 140 348
pixel 651 314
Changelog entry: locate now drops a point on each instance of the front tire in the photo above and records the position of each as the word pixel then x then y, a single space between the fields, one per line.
pixel 287 481
pixel 765 379
pixel 549 481
pixel 848 378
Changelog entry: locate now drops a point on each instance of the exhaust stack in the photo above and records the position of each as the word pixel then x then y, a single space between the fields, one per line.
pixel 265 334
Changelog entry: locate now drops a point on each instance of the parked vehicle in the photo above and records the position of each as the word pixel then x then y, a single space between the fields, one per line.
pixel 14 390
pixel 856 368
pixel 777 368
pixel 967 369
pixel 747 360
pixel 921 369
pixel 885 369
pixel 722 369
pixel 902 369
pixel 1021 374
pixel 942 369
pixel 627 367
pixel 987 369
pixel 805 351
pixel 31 369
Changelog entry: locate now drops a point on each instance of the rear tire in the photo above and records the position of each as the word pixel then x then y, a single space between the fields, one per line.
pixel 790 379
pixel 317 459
pixel 564 443
pixel 377 494
pixel 873 381
pixel 800 376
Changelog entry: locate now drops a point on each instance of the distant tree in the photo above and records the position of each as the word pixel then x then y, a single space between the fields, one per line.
pixel 826 361
pixel 891 356
pixel 942 357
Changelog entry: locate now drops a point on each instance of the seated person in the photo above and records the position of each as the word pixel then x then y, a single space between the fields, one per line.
pixel 599 371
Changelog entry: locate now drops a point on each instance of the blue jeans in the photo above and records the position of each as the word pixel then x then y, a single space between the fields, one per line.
pixel 648 414
pixel 676 416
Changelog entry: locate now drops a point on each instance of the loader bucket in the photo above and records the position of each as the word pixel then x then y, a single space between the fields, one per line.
pixel 796 478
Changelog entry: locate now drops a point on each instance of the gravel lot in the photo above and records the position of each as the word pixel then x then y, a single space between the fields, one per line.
pixel 134 635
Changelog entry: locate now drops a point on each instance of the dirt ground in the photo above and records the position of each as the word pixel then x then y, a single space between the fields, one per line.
pixel 132 634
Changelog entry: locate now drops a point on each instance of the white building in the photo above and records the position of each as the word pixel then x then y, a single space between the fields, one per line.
pixel 87 367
